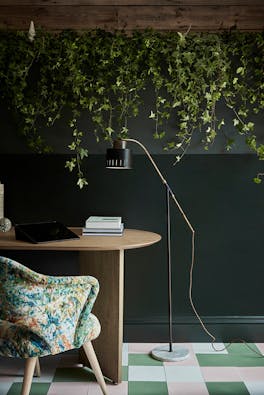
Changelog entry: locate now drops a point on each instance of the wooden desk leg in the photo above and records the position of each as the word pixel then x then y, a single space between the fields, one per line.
pixel 108 268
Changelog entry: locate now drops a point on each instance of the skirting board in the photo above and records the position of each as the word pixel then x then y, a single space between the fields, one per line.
pixel 188 329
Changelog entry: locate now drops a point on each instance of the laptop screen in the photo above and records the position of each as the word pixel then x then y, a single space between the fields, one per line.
pixel 44 231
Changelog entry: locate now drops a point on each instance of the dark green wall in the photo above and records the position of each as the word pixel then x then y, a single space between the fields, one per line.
pixel 223 204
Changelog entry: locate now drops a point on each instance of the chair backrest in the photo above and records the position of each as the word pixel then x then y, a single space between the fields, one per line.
pixel 53 307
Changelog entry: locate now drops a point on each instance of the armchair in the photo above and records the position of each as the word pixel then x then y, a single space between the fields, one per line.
pixel 42 315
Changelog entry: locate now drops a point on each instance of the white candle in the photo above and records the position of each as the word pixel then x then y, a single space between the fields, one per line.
pixel 1 200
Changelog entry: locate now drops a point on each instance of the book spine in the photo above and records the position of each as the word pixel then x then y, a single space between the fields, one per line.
pixel 95 222
pixel 104 225
pixel 104 230
pixel 101 234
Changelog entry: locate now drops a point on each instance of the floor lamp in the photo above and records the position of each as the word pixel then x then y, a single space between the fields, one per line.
pixel 119 157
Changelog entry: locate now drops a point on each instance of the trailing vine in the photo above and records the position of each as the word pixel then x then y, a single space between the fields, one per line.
pixel 102 76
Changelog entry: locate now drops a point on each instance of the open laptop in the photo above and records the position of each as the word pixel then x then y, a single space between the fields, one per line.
pixel 43 232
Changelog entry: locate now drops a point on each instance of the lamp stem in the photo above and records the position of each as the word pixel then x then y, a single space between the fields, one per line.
pixel 173 353
pixel 169 268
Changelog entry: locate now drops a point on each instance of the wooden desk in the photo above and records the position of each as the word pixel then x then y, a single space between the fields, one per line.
pixel 103 258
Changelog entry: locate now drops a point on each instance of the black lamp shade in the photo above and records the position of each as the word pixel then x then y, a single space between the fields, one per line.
pixel 119 157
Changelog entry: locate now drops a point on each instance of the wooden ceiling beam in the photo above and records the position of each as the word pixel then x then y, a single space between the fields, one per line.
pixel 132 2
pixel 130 17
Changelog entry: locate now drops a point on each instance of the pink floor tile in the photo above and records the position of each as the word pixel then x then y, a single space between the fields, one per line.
pixel 211 373
pixel 141 348
pixel 187 389
pixel 119 389
pixel 252 374
pixel 7 379
pixel 190 361
pixel 68 388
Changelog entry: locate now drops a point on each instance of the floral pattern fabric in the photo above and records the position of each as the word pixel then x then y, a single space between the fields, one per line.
pixel 42 315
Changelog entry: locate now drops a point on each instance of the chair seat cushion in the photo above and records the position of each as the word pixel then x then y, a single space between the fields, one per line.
pixel 21 341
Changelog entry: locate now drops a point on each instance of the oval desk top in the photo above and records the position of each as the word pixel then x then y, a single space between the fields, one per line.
pixel 131 238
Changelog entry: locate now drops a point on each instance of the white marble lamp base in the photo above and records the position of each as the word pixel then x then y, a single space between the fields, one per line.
pixel 162 353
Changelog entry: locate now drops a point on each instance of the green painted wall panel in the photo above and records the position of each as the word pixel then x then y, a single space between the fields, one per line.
pixel 216 191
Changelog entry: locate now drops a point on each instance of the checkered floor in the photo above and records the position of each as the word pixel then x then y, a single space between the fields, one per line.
pixel 236 371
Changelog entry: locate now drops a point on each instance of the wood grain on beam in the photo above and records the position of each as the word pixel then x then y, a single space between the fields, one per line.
pixel 131 2
pixel 59 17
pixel 198 17
pixel 179 18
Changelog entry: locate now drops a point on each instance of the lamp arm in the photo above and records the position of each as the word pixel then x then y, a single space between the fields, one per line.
pixel 189 225
pixel 164 182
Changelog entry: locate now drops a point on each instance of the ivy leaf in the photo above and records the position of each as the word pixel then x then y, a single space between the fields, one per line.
pixel 178 158
pixel 250 126
pixel 229 144
pixel 82 182
pixel 83 153
pixel 70 164
pixel 240 70
pixel 257 180
pixel 208 96
pixel 260 151
pixel 109 130
pixel 72 146
pixel 161 100
pixel 124 130
pixel 159 136
pixel 220 124
pixel 182 37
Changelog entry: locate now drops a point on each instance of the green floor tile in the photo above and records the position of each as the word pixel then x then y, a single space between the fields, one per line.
pixel 73 374
pixel 147 388
pixel 235 388
pixel 238 355
pixel 36 389
pixel 142 360
pixel 233 359
pixel 242 349
pixel 124 373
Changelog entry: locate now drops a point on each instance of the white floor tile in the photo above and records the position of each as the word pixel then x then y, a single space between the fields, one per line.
pixel 183 374
pixel 146 373
pixel 255 387
pixel 260 347
pixel 125 354
pixel 207 348
pixel 142 348
pixel 4 387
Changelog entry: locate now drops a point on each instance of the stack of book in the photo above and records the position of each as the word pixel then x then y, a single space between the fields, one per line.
pixel 103 226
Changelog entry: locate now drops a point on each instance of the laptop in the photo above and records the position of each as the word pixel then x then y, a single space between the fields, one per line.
pixel 43 232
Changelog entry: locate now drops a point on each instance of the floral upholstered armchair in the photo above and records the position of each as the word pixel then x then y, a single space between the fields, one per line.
pixel 42 315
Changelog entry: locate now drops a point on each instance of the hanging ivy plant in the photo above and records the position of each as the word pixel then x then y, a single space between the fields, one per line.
pixel 103 75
